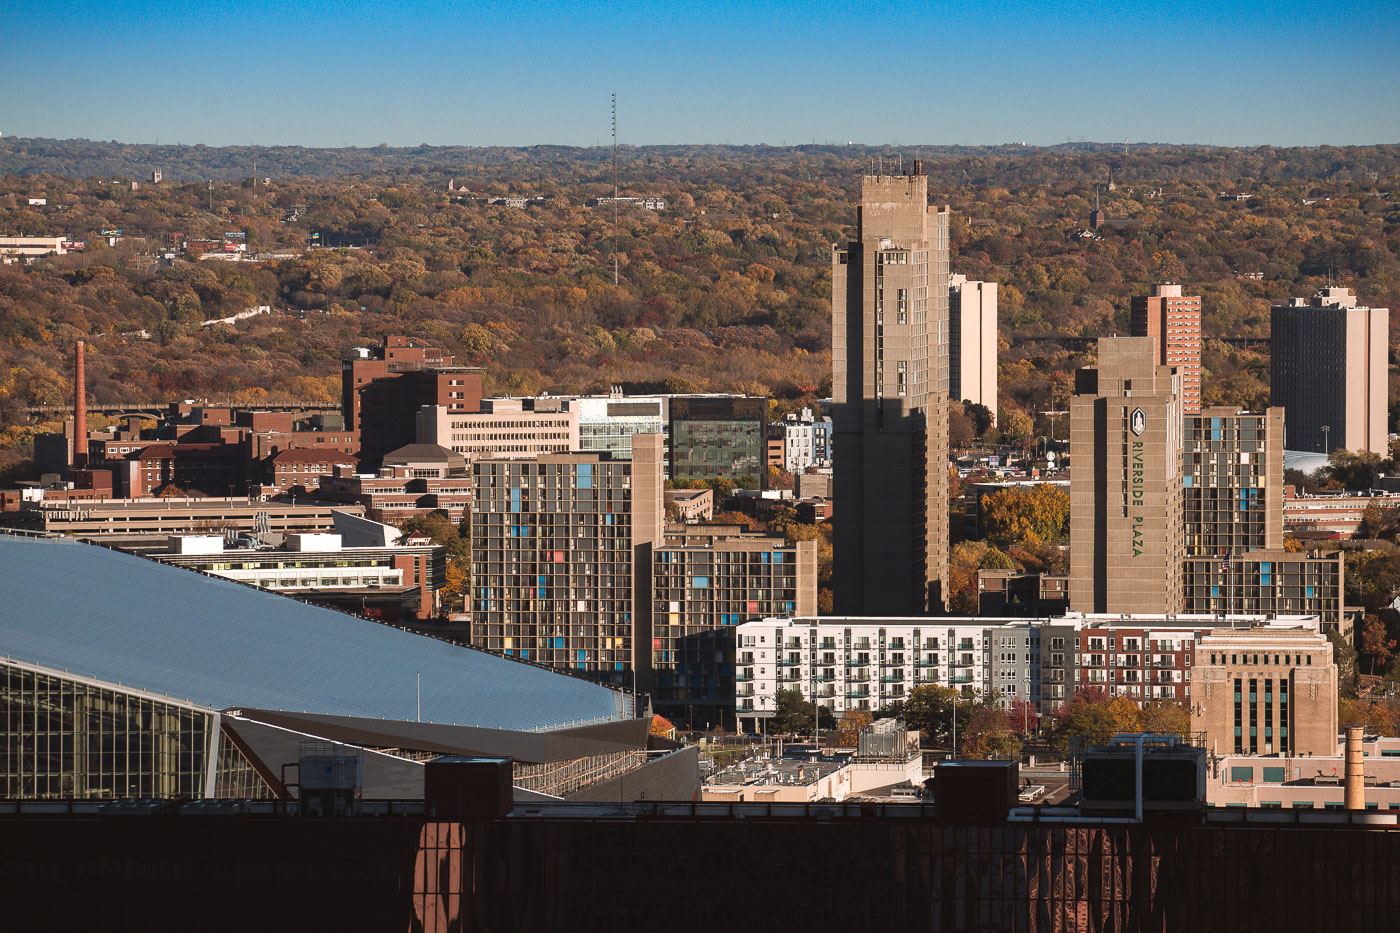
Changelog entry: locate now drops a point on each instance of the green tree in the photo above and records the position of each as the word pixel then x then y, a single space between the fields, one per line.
pixel 1026 518
pixel 989 734
pixel 1344 656
pixel 929 708
pixel 847 731
pixel 1165 717
pixel 793 714
pixel 1093 716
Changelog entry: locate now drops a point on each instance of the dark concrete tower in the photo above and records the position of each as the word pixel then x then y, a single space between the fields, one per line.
pixel 890 386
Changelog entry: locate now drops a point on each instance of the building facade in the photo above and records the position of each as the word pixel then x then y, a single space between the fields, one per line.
pixel 714 436
pixel 366 364
pixel 396 581
pixel 557 540
pixel 1174 320
pixel 800 440
pixel 972 342
pixel 1264 691
pixel 705 582
pixel 500 430
pixel 1126 531
pixel 1270 582
pixel 1232 478
pixel 867 663
pixel 606 423
pixel 890 411
pixel 1329 372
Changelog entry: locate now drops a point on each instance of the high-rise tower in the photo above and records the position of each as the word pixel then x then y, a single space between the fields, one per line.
pixel 1329 372
pixel 889 296
pixel 1125 518
pixel 1175 320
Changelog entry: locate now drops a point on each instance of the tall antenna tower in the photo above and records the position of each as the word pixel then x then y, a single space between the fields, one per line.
pixel 614 134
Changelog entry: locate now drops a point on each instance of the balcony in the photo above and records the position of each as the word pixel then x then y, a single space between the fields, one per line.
pixel 823 678
pixel 961 679
pixel 891 679
pixel 857 663
pixel 744 693
pixel 858 694
pixel 789 662
pixel 926 664
pixel 743 678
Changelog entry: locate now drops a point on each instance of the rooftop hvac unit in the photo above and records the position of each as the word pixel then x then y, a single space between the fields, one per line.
pixel 1173 775
pixel 330 780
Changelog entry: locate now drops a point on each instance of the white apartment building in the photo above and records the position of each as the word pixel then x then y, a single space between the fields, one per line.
pixel 866 663
pixel 806 440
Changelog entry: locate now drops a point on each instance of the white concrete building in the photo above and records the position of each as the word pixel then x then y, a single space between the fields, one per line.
pixel 806 440
pixel 505 429
pixel 972 348
pixel 32 245
pixel 608 422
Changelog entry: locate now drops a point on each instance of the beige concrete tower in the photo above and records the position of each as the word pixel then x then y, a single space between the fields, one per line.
pixel 972 342
pixel 1126 535
pixel 890 384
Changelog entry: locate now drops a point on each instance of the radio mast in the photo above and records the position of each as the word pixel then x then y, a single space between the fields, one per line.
pixel 614 134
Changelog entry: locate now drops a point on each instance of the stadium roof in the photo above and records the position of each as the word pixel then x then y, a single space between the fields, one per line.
pixel 127 620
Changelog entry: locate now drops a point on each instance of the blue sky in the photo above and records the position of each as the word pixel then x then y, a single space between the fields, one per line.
pixel 521 73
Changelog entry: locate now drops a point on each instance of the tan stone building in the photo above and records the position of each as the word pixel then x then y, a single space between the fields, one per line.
pixel 505 429
pixel 1265 691
pixel 1329 372
pixel 1126 537
pixel 890 387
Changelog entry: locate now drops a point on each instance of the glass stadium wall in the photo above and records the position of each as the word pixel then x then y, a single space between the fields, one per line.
pixel 65 738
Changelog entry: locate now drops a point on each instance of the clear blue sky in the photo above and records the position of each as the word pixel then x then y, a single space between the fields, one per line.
pixel 520 73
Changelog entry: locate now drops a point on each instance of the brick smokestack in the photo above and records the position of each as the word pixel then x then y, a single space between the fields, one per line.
pixel 1355 793
pixel 79 410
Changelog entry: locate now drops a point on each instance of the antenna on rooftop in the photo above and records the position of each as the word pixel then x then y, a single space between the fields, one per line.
pixel 614 134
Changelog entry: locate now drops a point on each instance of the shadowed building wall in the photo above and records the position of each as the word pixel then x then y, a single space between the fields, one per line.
pixel 890 386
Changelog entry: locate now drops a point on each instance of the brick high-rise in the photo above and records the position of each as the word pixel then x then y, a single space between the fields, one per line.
pixel 890 385
pixel 1175 320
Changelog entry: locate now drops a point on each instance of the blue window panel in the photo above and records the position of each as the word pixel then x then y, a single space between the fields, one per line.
pixel 617 665
pixel 1265 566
pixel 585 476
pixel 1310 592
pixel 1186 481
pixel 559 643
pixel 1215 591
pixel 767 558
pixel 541 579
pixel 524 652
pixel 703 583
pixel 540 592
pixel 582 655
pixel 791 606
pixel 777 557
pixel 610 518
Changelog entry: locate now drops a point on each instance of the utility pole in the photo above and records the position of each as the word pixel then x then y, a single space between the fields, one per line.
pixel 614 135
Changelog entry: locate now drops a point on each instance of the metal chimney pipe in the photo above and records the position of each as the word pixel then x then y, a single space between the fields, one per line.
pixel 1355 798
pixel 80 456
